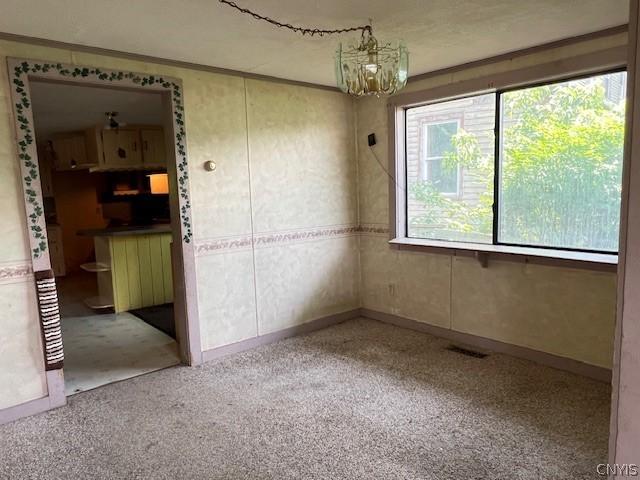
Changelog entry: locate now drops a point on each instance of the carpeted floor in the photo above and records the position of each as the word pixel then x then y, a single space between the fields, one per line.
pixel 361 400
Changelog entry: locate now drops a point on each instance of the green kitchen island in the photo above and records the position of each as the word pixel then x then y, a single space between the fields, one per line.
pixel 133 265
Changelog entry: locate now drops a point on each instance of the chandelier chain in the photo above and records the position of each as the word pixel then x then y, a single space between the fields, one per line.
pixel 304 31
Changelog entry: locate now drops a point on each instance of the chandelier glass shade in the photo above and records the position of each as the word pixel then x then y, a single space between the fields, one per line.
pixel 369 68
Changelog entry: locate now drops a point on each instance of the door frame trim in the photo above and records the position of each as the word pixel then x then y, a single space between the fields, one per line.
pixel 21 71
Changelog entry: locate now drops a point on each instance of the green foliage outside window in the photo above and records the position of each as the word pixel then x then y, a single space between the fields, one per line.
pixel 561 172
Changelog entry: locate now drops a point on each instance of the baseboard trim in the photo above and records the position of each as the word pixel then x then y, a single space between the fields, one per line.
pixel 55 398
pixel 47 403
pixel 547 359
pixel 32 407
pixel 268 338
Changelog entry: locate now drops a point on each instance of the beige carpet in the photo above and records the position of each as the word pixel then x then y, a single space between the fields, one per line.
pixel 361 400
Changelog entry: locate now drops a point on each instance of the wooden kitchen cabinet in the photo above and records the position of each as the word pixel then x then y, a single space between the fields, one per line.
pixel 45 164
pixel 153 147
pixel 121 148
pixel 128 148
pixel 70 152
pixel 56 253
pixel 134 147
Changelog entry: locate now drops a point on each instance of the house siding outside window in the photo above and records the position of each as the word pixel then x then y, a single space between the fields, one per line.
pixel 475 116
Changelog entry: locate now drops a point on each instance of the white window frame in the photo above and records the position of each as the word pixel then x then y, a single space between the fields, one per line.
pixel 425 159
pixel 563 69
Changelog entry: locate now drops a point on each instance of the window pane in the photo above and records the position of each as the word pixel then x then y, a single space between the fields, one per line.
pixel 450 160
pixel 443 177
pixel 439 138
pixel 561 164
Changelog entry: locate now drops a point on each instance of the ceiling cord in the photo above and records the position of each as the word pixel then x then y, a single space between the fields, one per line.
pixel 391 177
pixel 304 31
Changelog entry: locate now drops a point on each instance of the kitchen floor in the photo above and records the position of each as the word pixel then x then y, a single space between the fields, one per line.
pixel 72 291
pixel 102 348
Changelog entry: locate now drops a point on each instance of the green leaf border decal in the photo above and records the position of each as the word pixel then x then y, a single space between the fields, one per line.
pixel 26 137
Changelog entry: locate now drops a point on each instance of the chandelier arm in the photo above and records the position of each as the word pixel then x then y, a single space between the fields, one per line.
pixel 302 30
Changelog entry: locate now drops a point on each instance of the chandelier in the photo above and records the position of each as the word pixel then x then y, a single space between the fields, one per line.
pixel 370 68
pixel 365 67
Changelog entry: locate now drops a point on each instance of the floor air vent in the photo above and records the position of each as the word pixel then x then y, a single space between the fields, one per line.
pixel 466 351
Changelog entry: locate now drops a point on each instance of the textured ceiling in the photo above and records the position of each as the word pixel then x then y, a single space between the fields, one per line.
pixel 438 33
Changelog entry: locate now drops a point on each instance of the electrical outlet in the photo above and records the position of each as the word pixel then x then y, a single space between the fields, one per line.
pixel 392 290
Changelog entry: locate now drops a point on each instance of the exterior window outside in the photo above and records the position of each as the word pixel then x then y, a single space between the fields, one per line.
pixel 561 164
pixel 447 190
pixel 559 168
pixel 438 139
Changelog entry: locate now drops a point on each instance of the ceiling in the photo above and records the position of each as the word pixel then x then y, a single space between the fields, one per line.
pixel 60 107
pixel 438 33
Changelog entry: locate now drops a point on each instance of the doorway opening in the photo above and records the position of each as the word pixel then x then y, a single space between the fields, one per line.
pixel 103 161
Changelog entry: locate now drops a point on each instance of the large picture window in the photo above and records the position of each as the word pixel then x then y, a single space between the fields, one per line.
pixel 539 166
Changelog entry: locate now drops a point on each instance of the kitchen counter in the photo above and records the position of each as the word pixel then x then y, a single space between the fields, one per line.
pixel 133 266
pixel 126 230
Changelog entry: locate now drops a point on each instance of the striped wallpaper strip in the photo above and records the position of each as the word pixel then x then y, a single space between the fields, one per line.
pixel 243 242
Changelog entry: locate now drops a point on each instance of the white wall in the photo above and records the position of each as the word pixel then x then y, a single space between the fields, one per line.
pixel 292 183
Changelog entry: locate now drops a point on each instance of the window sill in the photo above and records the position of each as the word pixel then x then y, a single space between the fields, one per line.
pixel 596 261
